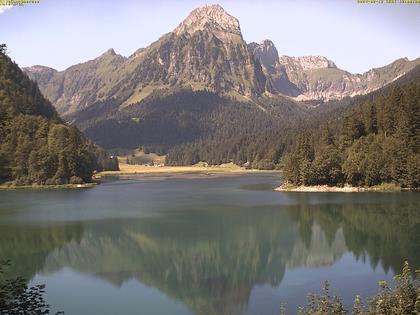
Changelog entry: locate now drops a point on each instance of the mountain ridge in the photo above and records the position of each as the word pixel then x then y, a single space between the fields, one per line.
pixel 318 78
pixel 206 51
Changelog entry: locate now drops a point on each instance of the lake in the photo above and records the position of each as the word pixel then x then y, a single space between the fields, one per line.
pixel 204 245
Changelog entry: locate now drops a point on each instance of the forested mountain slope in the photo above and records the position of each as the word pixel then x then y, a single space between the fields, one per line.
pixel 35 145
pixel 376 141
pixel 173 117
pixel 266 148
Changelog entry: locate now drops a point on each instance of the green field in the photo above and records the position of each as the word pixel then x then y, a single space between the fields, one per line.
pixel 138 157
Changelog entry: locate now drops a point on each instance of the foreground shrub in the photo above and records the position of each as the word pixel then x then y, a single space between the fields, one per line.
pixel 403 299
pixel 17 298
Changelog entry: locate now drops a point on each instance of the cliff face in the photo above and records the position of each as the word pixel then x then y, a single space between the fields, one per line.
pixel 277 78
pixel 318 78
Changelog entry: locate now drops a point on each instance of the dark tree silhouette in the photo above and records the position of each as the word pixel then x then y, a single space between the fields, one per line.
pixel 17 298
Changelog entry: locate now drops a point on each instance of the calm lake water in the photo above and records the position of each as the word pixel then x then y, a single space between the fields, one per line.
pixel 227 245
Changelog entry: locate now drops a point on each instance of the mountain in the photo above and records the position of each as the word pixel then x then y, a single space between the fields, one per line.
pixel 267 148
pixel 318 78
pixel 36 147
pixel 202 92
pixel 206 52
pixel 197 83
pixel 79 85
pixel 172 117
pixel 276 76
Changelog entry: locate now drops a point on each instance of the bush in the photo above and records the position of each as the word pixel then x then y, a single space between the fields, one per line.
pixel 404 298
pixel 17 298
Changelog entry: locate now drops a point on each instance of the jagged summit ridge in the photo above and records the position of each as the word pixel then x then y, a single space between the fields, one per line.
pixel 209 18
pixel 308 62
pixel 110 51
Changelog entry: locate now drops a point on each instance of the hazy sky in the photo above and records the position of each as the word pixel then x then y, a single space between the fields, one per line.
pixel 357 37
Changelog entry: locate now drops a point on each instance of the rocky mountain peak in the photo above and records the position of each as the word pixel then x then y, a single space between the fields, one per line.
pixel 109 52
pixel 209 18
pixel 266 53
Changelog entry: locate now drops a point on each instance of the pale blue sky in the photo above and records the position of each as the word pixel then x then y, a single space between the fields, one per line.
pixel 357 37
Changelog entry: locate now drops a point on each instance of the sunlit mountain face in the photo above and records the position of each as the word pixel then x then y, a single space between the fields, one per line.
pixel 199 82
pixel 207 51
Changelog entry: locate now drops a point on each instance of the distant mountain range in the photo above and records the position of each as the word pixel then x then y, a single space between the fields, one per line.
pixel 207 52
pixel 317 78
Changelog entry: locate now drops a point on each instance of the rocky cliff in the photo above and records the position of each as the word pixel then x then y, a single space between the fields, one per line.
pixel 318 78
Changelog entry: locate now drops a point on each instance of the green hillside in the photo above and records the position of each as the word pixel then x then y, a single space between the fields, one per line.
pixel 36 147
pixel 377 140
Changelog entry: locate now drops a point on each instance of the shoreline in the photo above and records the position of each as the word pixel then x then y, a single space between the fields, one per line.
pixel 149 172
pixel 48 187
pixel 128 170
pixel 346 188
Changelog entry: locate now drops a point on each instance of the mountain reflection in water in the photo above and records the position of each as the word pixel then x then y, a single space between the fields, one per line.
pixel 210 259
